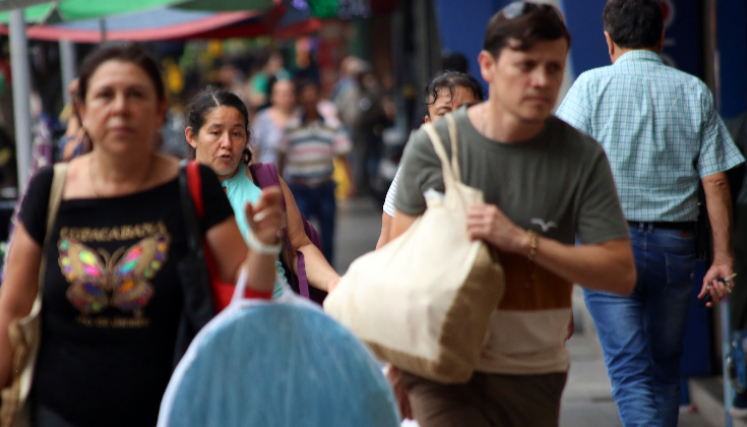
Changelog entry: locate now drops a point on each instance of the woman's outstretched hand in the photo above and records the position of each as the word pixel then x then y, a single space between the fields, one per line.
pixel 265 217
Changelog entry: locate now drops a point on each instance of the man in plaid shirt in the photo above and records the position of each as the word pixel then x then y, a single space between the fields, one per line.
pixel 662 136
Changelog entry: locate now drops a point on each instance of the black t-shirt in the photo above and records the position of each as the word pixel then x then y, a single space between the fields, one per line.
pixel 112 299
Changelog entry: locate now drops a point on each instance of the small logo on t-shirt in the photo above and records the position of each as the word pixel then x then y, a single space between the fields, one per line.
pixel 544 225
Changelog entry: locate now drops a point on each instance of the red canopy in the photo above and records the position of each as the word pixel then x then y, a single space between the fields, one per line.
pixel 175 24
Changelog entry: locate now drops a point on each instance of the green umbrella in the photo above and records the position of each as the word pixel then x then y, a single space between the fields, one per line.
pixel 43 11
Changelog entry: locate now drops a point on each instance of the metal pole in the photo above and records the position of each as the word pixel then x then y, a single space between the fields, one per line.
pixel 102 26
pixel 19 62
pixel 67 60
pixel 729 392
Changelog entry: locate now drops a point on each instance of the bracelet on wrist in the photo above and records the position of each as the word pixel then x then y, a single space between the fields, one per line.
pixel 261 248
pixel 534 243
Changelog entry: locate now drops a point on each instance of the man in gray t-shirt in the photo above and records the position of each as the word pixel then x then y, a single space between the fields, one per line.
pixel 559 181
pixel 545 184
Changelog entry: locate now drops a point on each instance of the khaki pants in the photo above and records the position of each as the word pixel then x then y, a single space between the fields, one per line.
pixel 487 400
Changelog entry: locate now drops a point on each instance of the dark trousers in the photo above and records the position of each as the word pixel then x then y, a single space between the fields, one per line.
pixel 319 202
pixel 487 400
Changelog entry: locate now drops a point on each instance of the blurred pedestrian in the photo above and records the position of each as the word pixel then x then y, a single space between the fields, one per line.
pixel 362 111
pixel 444 94
pixel 663 136
pixel 112 292
pixel 270 123
pixel 454 61
pixel 519 155
pixel 349 68
pixel 272 66
pixel 307 153
pixel 74 142
pixel 218 136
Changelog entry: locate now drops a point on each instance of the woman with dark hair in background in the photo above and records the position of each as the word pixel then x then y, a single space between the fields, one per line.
pixel 112 294
pixel 218 135
pixel 444 94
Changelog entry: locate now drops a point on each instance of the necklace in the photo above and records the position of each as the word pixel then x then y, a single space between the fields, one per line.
pixel 136 189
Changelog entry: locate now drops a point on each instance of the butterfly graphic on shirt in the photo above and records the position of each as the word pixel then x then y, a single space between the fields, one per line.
pixel 120 281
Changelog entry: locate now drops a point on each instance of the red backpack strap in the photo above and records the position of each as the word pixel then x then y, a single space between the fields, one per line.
pixel 195 187
pixel 222 292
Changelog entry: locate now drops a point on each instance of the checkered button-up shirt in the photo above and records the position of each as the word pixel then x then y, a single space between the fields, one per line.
pixel 660 130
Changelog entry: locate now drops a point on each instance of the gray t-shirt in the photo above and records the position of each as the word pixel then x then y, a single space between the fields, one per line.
pixel 558 183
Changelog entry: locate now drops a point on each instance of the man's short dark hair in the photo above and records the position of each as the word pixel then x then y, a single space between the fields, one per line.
pixel 449 80
pixel 536 22
pixel 634 24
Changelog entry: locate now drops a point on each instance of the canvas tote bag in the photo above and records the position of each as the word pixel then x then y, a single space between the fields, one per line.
pixel 423 301
pixel 24 333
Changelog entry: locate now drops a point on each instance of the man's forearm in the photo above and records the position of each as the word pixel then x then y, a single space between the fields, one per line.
pixel 608 266
pixel 718 204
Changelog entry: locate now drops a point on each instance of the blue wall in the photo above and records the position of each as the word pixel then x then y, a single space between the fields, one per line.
pixel 589 49
pixel 584 21
pixel 462 27
pixel 732 45
pixel 461 24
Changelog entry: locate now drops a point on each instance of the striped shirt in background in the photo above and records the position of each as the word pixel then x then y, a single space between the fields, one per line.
pixel 660 131
pixel 390 196
pixel 310 149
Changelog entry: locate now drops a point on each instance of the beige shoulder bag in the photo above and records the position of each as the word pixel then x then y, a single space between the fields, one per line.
pixel 423 302
pixel 24 333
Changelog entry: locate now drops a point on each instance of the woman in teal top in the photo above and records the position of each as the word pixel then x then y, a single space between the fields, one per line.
pixel 241 190
pixel 218 134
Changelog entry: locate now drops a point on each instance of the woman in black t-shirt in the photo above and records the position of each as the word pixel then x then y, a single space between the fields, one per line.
pixel 112 298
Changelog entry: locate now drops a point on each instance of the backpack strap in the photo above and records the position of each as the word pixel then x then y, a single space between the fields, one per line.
pixel 222 292
pixel 194 181
pixel 266 175
pixel 55 197
pixel 189 199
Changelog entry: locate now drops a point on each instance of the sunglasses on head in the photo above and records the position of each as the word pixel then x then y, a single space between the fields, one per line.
pixel 521 8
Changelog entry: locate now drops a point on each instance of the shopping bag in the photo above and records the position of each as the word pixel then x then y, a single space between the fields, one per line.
pixel 423 302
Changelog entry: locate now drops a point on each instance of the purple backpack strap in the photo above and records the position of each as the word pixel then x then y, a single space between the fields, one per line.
pixel 267 175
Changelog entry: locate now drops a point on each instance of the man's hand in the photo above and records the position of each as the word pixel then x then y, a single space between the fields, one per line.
pixel 718 291
pixel 394 375
pixel 488 223
pixel 718 203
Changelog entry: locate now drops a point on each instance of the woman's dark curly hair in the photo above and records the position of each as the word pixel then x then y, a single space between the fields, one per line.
pixel 201 106
pixel 449 80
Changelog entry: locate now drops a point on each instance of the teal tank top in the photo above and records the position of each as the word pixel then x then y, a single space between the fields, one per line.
pixel 241 190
